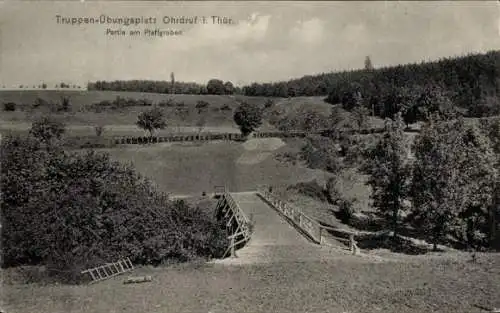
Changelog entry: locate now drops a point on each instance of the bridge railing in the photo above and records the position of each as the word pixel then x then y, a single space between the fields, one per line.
pixel 306 224
pixel 243 230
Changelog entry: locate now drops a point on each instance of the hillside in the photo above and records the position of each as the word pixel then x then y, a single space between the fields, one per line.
pixel 82 117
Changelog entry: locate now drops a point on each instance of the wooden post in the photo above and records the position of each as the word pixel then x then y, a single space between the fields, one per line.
pixel 232 247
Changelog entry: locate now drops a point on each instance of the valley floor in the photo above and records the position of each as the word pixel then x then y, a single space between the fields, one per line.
pixel 344 283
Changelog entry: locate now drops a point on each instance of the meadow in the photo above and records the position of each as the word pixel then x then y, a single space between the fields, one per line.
pixel 191 168
pixel 339 285
pixel 81 119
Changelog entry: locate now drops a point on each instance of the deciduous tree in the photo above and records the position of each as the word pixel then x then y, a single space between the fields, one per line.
pixel 248 117
pixel 453 179
pixel 216 87
pixel 151 120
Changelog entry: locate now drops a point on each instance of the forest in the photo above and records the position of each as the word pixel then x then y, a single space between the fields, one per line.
pixel 470 82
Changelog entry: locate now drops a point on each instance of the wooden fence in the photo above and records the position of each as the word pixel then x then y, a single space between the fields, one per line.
pixel 237 136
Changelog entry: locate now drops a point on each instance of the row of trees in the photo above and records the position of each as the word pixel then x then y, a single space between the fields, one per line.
pixel 451 183
pixel 213 87
pixel 44 86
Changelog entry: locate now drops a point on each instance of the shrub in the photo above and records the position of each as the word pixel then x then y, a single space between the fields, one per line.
pixel 332 192
pixel 305 119
pixel 47 128
pixel 99 129
pixel 311 189
pixel 9 106
pixel 346 211
pixel 74 211
pixel 39 102
pixel 225 107
pixel 64 105
pixel 321 153
pixel 168 103
pixel 201 105
pixel 143 102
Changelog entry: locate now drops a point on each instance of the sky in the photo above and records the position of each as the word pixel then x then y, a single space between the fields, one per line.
pixel 267 41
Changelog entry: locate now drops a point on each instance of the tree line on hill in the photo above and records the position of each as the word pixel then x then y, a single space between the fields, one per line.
pixel 62 85
pixel 471 83
pixel 213 87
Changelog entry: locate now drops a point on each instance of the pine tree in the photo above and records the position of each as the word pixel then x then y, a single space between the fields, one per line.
pixel 389 171
pixel 172 81
pixel 368 63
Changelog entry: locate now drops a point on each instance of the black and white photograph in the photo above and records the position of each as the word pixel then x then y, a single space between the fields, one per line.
pixel 249 156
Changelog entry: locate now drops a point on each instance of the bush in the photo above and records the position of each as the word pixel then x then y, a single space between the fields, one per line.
pixel 168 103
pixel 99 129
pixel 332 192
pixel 305 119
pixel 9 106
pixel 321 153
pixel 225 107
pixel 39 102
pixel 64 105
pixel 311 189
pixel 201 105
pixel 75 211
pixel 121 103
pixel 47 128
pixel 346 211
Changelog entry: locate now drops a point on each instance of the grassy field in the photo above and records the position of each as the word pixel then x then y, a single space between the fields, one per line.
pixel 81 121
pixel 81 99
pixel 118 122
pixel 194 168
pixel 346 284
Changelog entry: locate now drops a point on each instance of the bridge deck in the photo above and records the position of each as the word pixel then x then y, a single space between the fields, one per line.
pixel 273 238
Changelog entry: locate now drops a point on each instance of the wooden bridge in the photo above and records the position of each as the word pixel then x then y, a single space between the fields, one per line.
pixel 265 229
